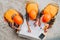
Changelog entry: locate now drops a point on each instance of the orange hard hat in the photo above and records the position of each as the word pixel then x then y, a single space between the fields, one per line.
pixel 32 15
pixel 46 18
pixel 17 19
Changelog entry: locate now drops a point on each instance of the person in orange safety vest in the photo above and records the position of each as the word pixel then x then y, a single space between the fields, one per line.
pixel 32 12
pixel 13 18
pixel 48 14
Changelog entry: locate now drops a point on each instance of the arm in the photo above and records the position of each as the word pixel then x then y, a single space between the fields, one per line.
pixel 18 29
pixel 49 24
pixel 27 21
pixel 46 27
pixel 38 19
pixel 37 22
pixel 12 25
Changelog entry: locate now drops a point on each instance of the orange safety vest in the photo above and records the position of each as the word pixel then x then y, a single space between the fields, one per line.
pixel 52 9
pixel 8 15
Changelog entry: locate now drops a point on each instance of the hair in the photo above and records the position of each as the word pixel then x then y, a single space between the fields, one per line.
pixel 21 16
pixel 51 22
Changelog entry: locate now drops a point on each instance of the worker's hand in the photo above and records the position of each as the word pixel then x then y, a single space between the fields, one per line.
pixel 37 22
pixel 18 29
pixel 14 27
pixel 29 30
pixel 45 31
pixel 47 25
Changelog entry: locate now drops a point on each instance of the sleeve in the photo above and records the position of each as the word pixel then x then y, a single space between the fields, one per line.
pixel 27 17
pixel 39 14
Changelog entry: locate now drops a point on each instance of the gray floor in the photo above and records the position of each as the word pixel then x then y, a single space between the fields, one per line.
pixel 7 33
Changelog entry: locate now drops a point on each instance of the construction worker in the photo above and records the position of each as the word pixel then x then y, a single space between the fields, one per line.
pixel 32 12
pixel 13 18
pixel 48 14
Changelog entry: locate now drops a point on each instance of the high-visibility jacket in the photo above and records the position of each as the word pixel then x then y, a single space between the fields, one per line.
pixel 52 9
